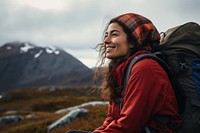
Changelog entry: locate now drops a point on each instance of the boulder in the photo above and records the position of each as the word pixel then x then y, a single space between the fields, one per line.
pixel 10 119
pixel 67 118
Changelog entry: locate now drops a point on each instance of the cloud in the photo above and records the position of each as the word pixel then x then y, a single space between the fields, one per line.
pixel 34 24
pixel 78 24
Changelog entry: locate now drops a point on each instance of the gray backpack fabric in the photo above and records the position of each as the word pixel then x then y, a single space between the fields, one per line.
pixel 181 48
pixel 179 54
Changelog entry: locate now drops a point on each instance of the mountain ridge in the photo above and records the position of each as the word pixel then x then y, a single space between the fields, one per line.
pixel 26 65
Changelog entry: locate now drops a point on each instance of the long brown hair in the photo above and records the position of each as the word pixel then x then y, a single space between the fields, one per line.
pixel 146 37
pixel 108 83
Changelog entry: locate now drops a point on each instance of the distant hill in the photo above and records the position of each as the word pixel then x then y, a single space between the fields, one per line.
pixel 25 65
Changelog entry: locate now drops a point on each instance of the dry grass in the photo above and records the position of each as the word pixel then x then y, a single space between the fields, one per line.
pixel 44 103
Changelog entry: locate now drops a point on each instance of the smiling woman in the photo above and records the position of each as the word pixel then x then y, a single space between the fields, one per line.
pixel 45 4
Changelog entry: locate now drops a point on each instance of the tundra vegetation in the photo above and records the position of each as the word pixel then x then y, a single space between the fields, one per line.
pixel 38 106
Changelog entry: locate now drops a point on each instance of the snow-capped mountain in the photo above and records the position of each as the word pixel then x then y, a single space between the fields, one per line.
pixel 24 65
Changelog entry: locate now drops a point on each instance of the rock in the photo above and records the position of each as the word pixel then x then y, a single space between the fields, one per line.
pixel 93 103
pixel 31 116
pixel 12 112
pixel 10 119
pixel 67 118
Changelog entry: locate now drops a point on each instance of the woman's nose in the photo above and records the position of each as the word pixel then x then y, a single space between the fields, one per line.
pixel 107 40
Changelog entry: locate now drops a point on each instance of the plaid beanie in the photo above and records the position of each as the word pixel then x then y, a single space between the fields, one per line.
pixel 140 28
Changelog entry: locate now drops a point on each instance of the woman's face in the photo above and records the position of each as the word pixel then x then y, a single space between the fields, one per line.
pixel 115 42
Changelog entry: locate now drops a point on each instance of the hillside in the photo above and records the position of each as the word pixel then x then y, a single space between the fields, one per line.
pixel 38 108
pixel 25 65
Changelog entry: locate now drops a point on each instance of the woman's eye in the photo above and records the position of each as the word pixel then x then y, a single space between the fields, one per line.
pixel 114 34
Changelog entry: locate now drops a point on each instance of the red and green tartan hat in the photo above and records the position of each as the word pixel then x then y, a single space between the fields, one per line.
pixel 140 28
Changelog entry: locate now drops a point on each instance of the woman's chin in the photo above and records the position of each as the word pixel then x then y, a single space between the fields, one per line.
pixel 111 57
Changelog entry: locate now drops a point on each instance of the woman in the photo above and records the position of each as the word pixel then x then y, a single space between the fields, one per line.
pixel 148 92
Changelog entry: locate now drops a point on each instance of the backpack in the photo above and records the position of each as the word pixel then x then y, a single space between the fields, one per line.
pixel 179 55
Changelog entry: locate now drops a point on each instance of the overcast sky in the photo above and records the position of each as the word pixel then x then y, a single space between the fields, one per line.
pixel 77 25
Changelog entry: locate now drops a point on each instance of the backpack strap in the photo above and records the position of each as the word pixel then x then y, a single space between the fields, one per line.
pixel 129 67
pixel 178 92
pixel 158 56
pixel 154 56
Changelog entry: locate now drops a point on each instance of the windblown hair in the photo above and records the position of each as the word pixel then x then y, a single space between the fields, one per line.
pixel 109 84
pixel 141 33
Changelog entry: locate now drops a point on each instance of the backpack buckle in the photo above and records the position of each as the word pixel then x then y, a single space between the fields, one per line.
pixel 183 66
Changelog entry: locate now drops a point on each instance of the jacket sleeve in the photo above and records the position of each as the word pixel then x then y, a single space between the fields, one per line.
pixel 106 122
pixel 142 98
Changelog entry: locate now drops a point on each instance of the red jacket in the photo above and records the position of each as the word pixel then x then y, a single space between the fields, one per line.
pixel 148 92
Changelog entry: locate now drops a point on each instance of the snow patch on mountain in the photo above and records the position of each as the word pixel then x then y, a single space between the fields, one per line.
pixel 51 50
pixel 26 47
pixel 38 54
pixel 8 47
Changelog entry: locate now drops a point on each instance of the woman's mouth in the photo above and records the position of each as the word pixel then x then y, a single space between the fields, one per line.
pixel 109 48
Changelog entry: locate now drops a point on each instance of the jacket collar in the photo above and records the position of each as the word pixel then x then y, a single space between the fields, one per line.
pixel 119 71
